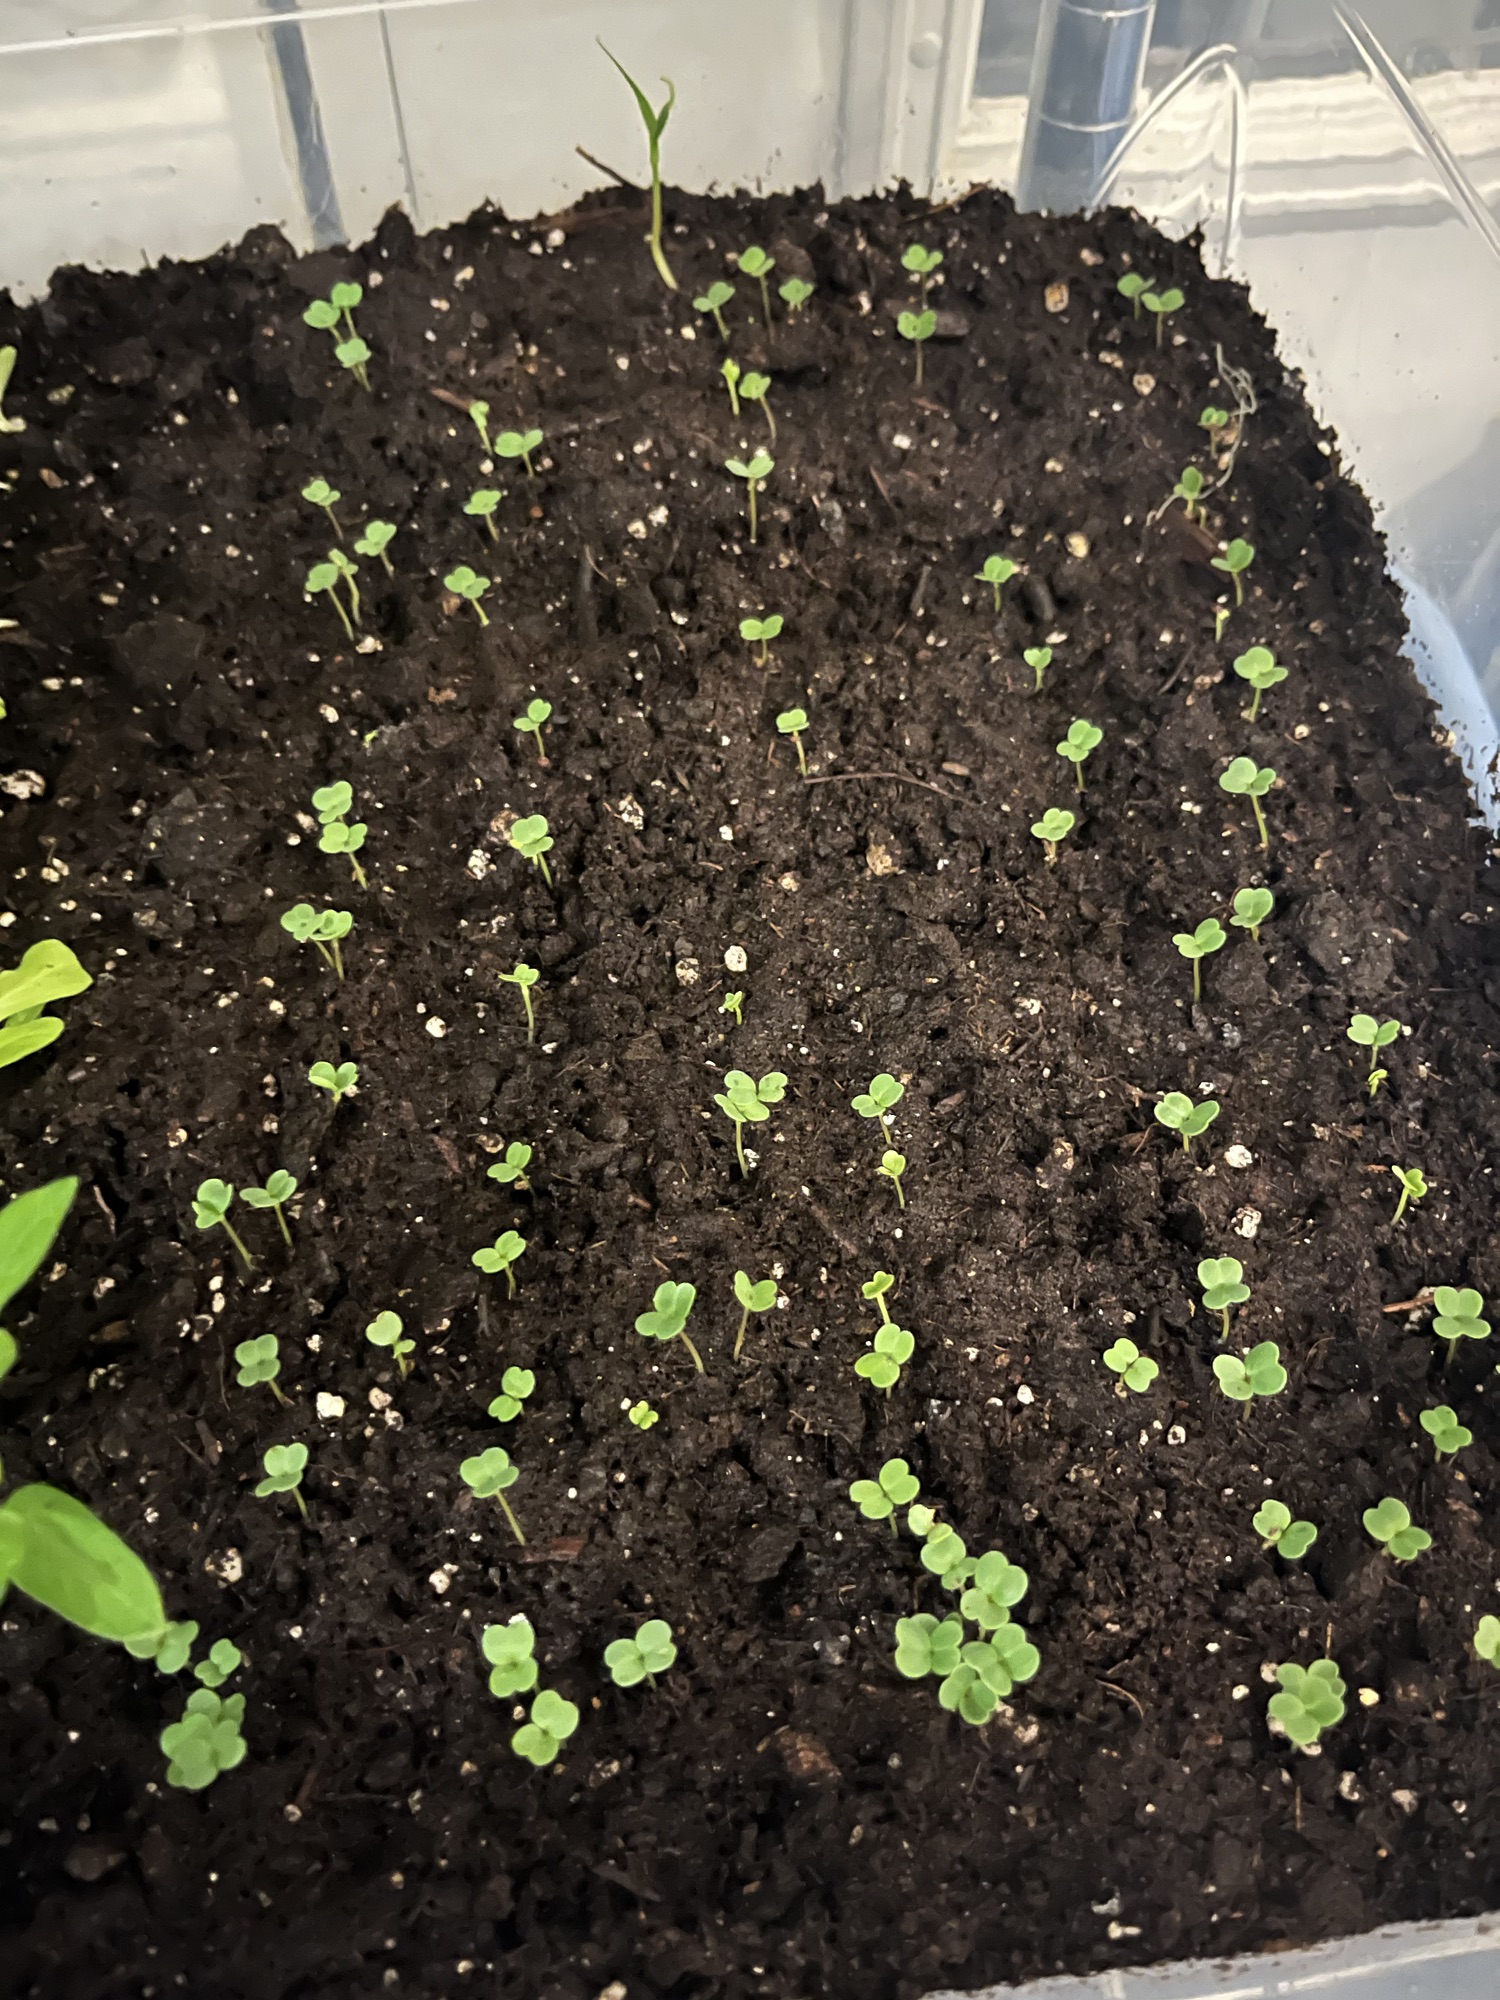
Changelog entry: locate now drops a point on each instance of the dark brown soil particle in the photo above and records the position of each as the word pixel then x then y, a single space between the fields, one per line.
pixel 782 1815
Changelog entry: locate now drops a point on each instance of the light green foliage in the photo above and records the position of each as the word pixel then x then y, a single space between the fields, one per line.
pixel 1082 739
pixel 996 571
pixel 1181 1115
pixel 918 328
pixel 48 971
pixel 791 722
pixel 1252 908
pixel 259 1360
pixel 891 1349
pixel 318 493
pixel 1246 779
pixel 873 1290
pixel 224 1658
pixel 502 1255
pixel 523 979
pixel 488 1476
pixel 643 1416
pixel 553 1721
pixel 1258 667
pixel 170 1648
pixel 1447 1433
pixel 1236 559
pixel 1368 1033
pixel 732 1003
pixel 9 426
pixel 354 354
pixel 55 1550
pixel 340 1082
pixel 921 263
pixel 531 838
pixel 671 1305
pixel 731 371
pixel 1258 1373
pixel 926 1645
pixel 649 1653
pixel 1214 420
pixel 339 838
pixel 757 389
pixel 285 1465
pixel 755 472
pixel 511 1653
pixel 206 1742
pixel 1311 1700
pixel 211 1206
pixel 325 576
pixel 744 1102
pixel 945 1554
pixel 754 1296
pixel 1196 945
pixel 988 1671
pixel 519 444
pixel 277 1192
pixel 28 1226
pixel 516 1384
pixel 464 582
pixel 511 1171
pixel 1222 1280
pixel 347 571
pixel 531 723
pixel 1458 1316
pixel 794 293
pixel 1131 286
pixel 1189 490
pixel 880 1100
pixel 761 631
pixel 1038 658
pixel 481 505
pixel 1274 1524
pixel 388 1330
pixel 1136 1370
pixel 895 1485
pixel 713 301
pixel 996 1585
pixel 1390 1524
pixel 376 539
pixel 754 263
pixel 1413 1184
pixel 655 122
pixel 1487 1639
pixel 1161 304
pixel 479 413
pixel 893 1166
pixel 1052 829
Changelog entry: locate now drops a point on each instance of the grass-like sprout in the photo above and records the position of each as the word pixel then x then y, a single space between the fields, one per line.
pixel 532 839
pixel 479 415
pixel 733 1003
pixel 322 928
pixel 754 263
pixel 655 122
pixel 376 539
pixel 516 1385
pixel 730 372
pixel 1487 1639
pixel 1082 739
pixel 649 1653
pixel 388 1330
pixel 1258 667
pixel 756 388
pixel 1188 1120
pixel 1221 619
pixel 921 263
pixel 1189 490
pixel 206 1742
pixel 1131 287
pixel 1413 1184
pixel 744 1102
pixel 524 978
pixel 996 571
pixel 482 504
pixel 1311 1700
pixel 1277 1530
pixel 671 1304
pixel 889 1352
pixel 1196 945
pixel 340 1082
pixel 1136 1370
pixel 1257 1373
pixel 642 1416
pixel 1251 909
pixel 794 294
pixel 487 1475
pixel 324 576
pixel 880 1100
pixel 538 713
pixel 1447 1433
pixel 519 444
pixel 1390 1524
pixel 211 1206
pixel 1038 658
pixel 502 1255
pixel 347 572
pixel 1368 1033
pixel 755 474
pixel 918 328
pixel 895 1485
pixel 791 722
pixel 713 301
pixel 284 1465
pixel 553 1718
pixel 1458 1316
pixel 511 1653
pixel 320 494
pixel 466 583
pixel 754 1296
pixel 277 1192
pixel 1222 1280
pixel 258 1361
pixel 1160 304
pixel 1248 780
pixel 893 1166
pixel 1236 559
pixel 761 631
pixel 1052 829
pixel 511 1171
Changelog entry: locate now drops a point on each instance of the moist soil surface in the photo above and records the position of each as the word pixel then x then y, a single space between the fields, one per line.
pixel 782 1814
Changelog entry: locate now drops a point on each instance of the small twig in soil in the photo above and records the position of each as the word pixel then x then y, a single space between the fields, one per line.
pixel 634 186
pixel 895 777
pixel 188 1449
pixel 1423 1298
pixel 1115 1688
pixel 958 200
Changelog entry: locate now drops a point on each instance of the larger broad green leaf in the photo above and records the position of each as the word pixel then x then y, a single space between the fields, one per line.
pixel 79 1568
pixel 27 1226
pixel 48 971
pixel 24 1038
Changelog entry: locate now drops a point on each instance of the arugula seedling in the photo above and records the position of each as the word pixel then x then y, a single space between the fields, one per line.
pixel 487 1475
pixel 889 1353
pixel 755 388
pixel 1258 667
pixel 482 504
pixel 1132 286
pixel 1368 1033
pixel 375 540
pixel 285 1465
pixel 791 722
pixel 260 1361
pixel 655 123
pixel 671 1304
pixel 338 837
pixel 519 444
pixel 730 370
pixel 1277 1530
pixel 331 802
pixel 479 413
pixel 895 1485
pixel 511 1171
pixel 893 1166
pixel 994 1588
pixel 320 494
pixel 553 1719
pixel 1052 829
pixel 1257 1373
pixel 1197 945
pixel 921 264
pixel 755 1297
pixel 348 571
pixel 170 1648
pixel 1214 421
pixel 1413 1183
pixel 925 1645
pixel 502 1255
pixel 1189 490
pixel 732 1003
pixel 754 263
pixel 339 1083
pixel 1390 1524
pixel 1188 1120
pixel 997 571
pixel 211 1211
pixel 325 576
pixel 354 354
pixel 1236 559
pixel 10 426
pixel 874 1289
pixel 1222 1280
pixel 532 839
pixel 643 1416
pixel 1160 304
pixel 918 328
pixel 1244 779
pixel 516 1384
pixel 48 971
pixel 1311 1700
pixel 511 1653
pixel 649 1653
pixel 946 1556
pixel 1251 909
pixel 531 723
pixel 1458 1316
pixel 388 1330
pixel 1136 1370
pixel 743 1101
pixel 988 1671
pixel 224 1659
pixel 206 1742
pixel 762 631
pixel 713 301
pixel 463 582
pixel 1082 739
pixel 524 977
pixel 794 293
pixel 880 1100
pixel 1447 1433
pixel 755 475
pixel 1487 1639
pixel 1038 658
pixel 277 1192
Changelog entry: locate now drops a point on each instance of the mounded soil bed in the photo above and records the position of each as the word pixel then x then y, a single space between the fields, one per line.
pixel 782 1814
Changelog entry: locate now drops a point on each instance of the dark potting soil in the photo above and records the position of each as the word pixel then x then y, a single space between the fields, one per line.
pixel 782 1814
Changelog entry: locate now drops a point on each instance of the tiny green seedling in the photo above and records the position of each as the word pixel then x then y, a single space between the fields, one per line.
pixel 259 1361
pixel 1132 286
pixel 643 1416
pixel 388 1330
pixel 502 1255
pixel 285 1465
pixel 995 1587
pixel 479 413
pixel 511 1653
pixel 671 1304
pixel 211 1207
pixel 754 263
pixel 889 1353
pixel 538 713
pixel 1251 909
pixel 756 388
pixel 1038 658
pixel 791 722
pixel 1487 1639
pixel 1221 619
pixel 1236 559
pixel 918 328
pixel 532 839
pixel 1258 667
pixel 1052 829
pixel 170 1648
pixel 1082 739
pixel 895 1485
pixel 1258 1373
pixel 1311 1700
pixel 1181 1115
pixel 893 1166
pixel 1247 780
pixel 1189 490
pixel 354 354
pixel 733 1003
pixel 376 539
pixel 755 474
pixel 487 1475
pixel 463 582
pixel 519 444
pixel 730 371
pixel 921 263
pixel 348 571
pixel 206 1742
pixel 988 1671
pixel 277 1192
pixel 1136 1370
pixel 1413 1185
pixel 1196 945
pixel 655 122
pixel 318 493
pixel 224 1658
pixel 926 1645
pixel 873 1291
pixel 516 1384
pixel 1368 1033
pixel 11 426
pixel 1222 1282
pixel 744 1102
pixel 754 1297
pixel 1390 1524
pixel 333 802
pixel 511 1171
pixel 481 505
pixel 1215 421
pixel 794 294
pixel 553 1719
pixel 713 301
pixel 996 572
pixel 1277 1530
pixel 1458 1316
pixel 1160 305
pixel 524 978
pixel 337 836
pixel 325 576
pixel 340 1082
pixel 761 631
pixel 944 1554
pixel 880 1100
pixel 649 1653
pixel 1447 1433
